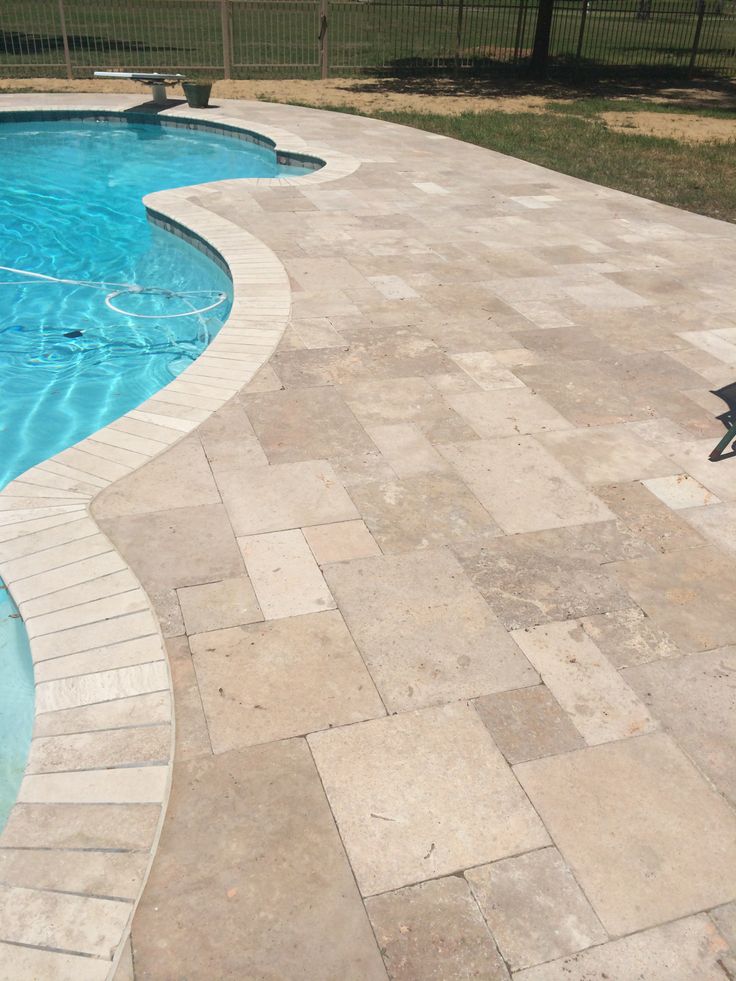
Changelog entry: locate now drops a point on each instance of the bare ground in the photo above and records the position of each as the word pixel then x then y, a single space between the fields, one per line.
pixel 440 95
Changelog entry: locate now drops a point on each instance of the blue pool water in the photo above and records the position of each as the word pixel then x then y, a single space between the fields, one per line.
pixel 75 355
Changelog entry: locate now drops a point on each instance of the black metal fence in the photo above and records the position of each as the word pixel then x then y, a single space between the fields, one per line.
pixel 303 38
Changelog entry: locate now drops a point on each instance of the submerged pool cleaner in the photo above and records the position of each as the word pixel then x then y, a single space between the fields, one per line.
pixel 126 289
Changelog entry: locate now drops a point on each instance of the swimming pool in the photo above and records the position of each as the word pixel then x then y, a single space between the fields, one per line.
pixel 98 308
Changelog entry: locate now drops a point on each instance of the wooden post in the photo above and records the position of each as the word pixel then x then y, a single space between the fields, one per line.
pixel 581 32
pixel 459 42
pixel 324 61
pixel 227 41
pixel 65 39
pixel 696 38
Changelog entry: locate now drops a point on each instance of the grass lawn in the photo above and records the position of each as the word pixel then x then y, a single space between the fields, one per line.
pixel 698 177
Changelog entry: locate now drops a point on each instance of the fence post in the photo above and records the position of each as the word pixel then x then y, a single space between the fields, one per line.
pixel 459 41
pixel 227 41
pixel 324 61
pixel 520 24
pixel 65 40
pixel 581 32
pixel 696 38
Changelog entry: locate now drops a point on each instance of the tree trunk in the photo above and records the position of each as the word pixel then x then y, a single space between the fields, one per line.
pixel 540 52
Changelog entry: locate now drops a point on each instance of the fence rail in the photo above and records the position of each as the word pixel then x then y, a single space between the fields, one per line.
pixel 242 38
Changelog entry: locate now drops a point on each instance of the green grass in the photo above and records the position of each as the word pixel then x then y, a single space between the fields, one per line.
pixel 279 37
pixel 695 177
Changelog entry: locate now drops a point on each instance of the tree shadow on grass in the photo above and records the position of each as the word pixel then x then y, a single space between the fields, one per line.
pixel 566 80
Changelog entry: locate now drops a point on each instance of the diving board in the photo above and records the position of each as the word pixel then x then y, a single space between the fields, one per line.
pixel 157 80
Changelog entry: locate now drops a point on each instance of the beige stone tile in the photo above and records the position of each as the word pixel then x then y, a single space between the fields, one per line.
pixel 422 794
pixel 486 371
pixel 680 491
pixel 683 594
pixel 645 835
pixel 424 632
pixel 694 697
pixel 305 424
pixel 406 400
pixel 125 970
pixel 311 921
pixel 528 723
pixel 182 547
pixel 434 931
pixel 148 709
pixel 33 962
pixel 286 579
pixel 181 477
pixel 214 605
pixel 228 438
pixel 648 517
pixel 688 950
pixel 286 496
pixel 717 523
pixel 600 704
pixel 407 449
pixel 628 637
pixel 607 455
pixel 725 920
pixel 192 737
pixel 508 412
pixel 117 875
pixel 523 486
pixel 102 686
pixel 548 575
pixel 94 750
pixel 86 592
pixel 117 827
pixel 125 785
pixel 341 541
pixel 284 678
pixel 61 921
pixel 534 908
pixel 142 650
pixel 422 512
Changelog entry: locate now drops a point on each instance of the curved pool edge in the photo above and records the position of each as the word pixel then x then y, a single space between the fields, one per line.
pixel 100 665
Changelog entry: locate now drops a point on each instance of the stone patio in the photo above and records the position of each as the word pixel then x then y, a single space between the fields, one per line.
pixel 445 593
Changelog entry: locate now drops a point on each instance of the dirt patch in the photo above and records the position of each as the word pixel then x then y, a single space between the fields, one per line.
pixel 365 94
pixel 685 127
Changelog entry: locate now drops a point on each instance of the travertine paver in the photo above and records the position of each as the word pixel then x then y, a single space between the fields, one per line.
pixel 534 578
pixel 261 802
pixel 425 633
pixel 290 495
pixel 491 410
pixel 695 698
pixel 279 679
pixel 535 908
pixel 646 836
pixel 528 723
pixel 285 576
pixel 434 931
pixel 688 950
pixel 523 486
pixel 601 706
pixel 218 604
pixel 422 794
pixel 341 541
pixel 684 598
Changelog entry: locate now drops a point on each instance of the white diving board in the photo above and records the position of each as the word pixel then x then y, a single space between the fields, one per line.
pixel 157 80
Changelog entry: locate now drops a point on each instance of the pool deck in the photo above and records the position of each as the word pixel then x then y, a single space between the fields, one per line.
pixel 444 590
